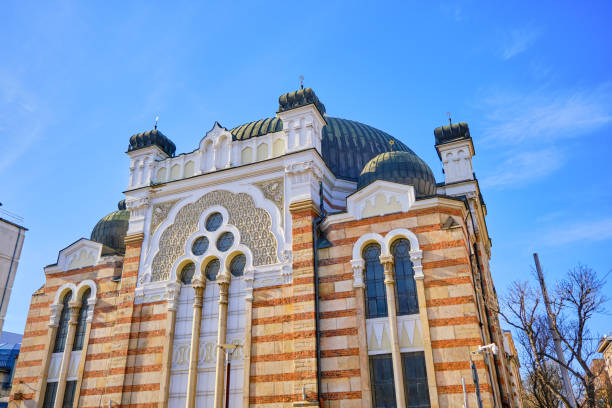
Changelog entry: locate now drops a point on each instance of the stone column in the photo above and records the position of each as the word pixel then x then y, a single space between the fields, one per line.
pixel 91 303
pixel 246 347
pixel 172 292
pixel 56 311
pixel 398 373
pixel 75 306
pixel 223 280
pixel 198 287
pixel 364 362
pixel 416 257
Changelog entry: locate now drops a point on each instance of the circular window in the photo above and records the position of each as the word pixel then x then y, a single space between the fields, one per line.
pixel 237 265
pixel 187 273
pixel 214 221
pixel 212 269
pixel 225 241
pixel 199 246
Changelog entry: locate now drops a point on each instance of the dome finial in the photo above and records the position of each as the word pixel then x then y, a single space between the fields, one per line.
pixel 450 121
pixel 391 143
pixel 156 120
pixel 301 81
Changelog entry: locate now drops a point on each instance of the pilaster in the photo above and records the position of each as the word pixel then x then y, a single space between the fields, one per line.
pixel 428 351
pixel 364 362
pixel 172 293
pixel 56 311
pixel 198 288
pixel 223 281
pixel 75 306
pixel 248 316
pixel 91 302
pixel 398 373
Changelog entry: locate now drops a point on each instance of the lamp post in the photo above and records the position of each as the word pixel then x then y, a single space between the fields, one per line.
pixel 481 350
pixel 229 352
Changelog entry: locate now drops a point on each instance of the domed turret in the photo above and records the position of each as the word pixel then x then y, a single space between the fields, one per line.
pixel 110 230
pixel 152 138
pixel 399 167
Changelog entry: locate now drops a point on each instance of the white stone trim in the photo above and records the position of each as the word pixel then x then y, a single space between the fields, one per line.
pixel 77 291
pixel 358 263
pixel 380 198
pixel 363 241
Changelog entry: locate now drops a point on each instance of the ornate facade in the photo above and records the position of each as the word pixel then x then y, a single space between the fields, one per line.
pixel 301 260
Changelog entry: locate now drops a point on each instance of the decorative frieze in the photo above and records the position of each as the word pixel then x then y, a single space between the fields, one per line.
pixel 273 190
pixel 160 213
pixel 253 223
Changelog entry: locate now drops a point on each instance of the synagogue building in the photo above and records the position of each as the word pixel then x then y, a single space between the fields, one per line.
pixel 301 260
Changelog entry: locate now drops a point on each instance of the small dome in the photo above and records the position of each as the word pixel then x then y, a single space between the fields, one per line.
pixel 152 138
pixel 111 230
pixel 399 167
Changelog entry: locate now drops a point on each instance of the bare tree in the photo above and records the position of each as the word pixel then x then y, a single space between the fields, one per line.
pixel 576 299
pixel 535 392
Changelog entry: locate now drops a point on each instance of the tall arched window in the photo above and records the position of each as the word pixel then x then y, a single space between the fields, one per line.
pixel 405 285
pixel 376 296
pixel 62 328
pixel 79 336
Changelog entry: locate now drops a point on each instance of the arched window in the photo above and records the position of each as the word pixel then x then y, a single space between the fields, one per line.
pixel 405 285
pixel 62 328
pixel 187 273
pixel 376 296
pixel 79 336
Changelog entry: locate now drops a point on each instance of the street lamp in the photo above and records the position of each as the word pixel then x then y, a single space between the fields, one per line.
pixel 229 352
pixel 489 348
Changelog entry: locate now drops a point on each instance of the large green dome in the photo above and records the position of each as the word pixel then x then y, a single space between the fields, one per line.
pixel 111 229
pixel 346 146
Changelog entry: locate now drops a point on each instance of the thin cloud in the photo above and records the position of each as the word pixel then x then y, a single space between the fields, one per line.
pixel 21 121
pixel 592 230
pixel 452 10
pixel 545 116
pixel 519 41
pixel 524 167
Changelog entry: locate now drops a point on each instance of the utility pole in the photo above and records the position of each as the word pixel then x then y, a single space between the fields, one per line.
pixel 552 324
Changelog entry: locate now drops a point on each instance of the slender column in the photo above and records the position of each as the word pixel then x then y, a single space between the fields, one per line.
pixel 398 373
pixel 91 303
pixel 415 257
pixel 364 363
pixel 248 316
pixel 56 311
pixel 198 288
pixel 172 292
pixel 72 324
pixel 223 280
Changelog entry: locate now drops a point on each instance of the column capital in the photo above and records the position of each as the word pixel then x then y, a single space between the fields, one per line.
pixel 56 311
pixel 358 266
pixel 198 283
pixel 386 259
pixel 75 307
pixel 416 258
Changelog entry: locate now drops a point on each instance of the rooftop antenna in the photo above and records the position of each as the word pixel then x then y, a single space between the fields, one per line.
pixel 391 143
pixel 156 120
pixel 301 81
pixel 450 121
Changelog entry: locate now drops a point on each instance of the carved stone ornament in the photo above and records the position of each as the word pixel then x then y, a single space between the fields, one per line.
pixel 358 265
pixel 253 223
pixel 302 171
pixel 138 206
pixel 273 190
pixel 160 213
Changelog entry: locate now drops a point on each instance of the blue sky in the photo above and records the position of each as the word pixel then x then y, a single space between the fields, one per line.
pixel 533 81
